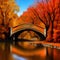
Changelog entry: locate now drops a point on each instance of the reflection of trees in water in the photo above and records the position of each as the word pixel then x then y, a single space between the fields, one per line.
pixel 36 57
pixel 4 54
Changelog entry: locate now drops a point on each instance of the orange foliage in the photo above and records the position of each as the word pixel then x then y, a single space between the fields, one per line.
pixel 46 13
pixel 7 16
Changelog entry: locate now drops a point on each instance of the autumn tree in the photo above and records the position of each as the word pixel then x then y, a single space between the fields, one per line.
pixel 52 9
pixel 7 15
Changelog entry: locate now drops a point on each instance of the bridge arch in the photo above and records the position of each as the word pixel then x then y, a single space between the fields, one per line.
pixel 28 26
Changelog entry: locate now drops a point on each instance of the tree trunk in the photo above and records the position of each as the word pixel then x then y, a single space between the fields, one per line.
pixel 50 32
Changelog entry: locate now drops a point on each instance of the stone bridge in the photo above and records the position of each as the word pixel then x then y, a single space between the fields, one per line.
pixel 28 26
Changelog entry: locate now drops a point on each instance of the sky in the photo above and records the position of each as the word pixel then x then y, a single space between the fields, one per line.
pixel 23 5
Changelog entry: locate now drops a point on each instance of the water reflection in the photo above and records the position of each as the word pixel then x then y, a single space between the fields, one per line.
pixel 39 55
pixel 53 54
pixel 42 54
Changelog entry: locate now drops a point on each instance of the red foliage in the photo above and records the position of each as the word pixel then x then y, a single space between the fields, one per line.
pixel 47 13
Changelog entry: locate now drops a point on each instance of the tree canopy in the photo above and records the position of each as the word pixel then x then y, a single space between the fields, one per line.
pixel 44 14
pixel 7 15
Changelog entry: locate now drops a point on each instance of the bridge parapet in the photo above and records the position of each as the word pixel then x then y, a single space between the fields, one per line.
pixel 28 26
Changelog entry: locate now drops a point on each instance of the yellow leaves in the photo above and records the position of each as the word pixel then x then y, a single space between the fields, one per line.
pixel 8 8
pixel 11 0
pixel 13 22
pixel 8 17
pixel 13 5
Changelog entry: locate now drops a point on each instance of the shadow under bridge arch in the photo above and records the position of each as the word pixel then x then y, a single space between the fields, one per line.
pixel 28 27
